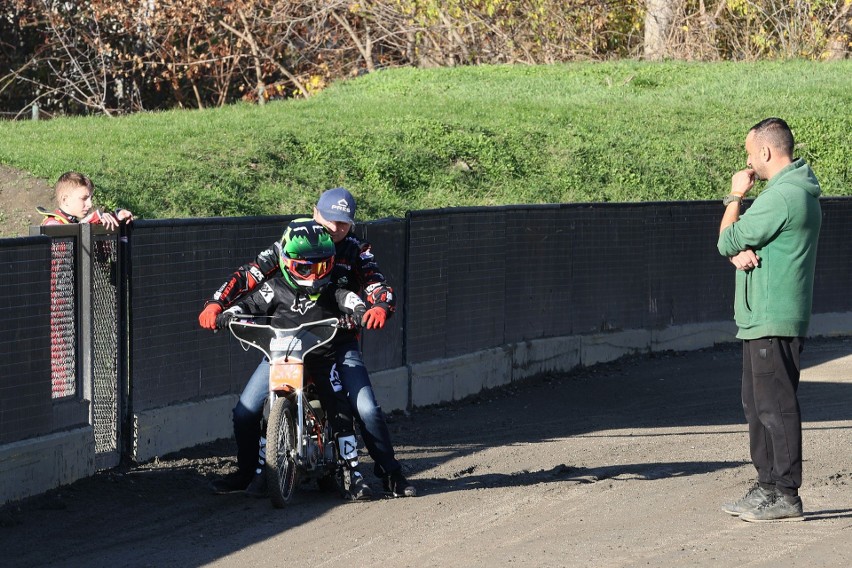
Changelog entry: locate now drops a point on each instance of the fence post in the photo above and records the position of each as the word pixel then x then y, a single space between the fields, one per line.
pixel 84 319
pixel 35 111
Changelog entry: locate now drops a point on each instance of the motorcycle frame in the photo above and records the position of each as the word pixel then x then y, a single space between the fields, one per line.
pixel 287 383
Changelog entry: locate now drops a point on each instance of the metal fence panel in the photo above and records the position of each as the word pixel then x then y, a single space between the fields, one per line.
pixel 833 279
pixel 176 266
pixel 104 313
pixel 455 282
pixel 35 401
pixel 383 349
pixel 25 362
pixel 467 279
pixel 64 293
pixel 427 291
pixel 689 282
pixel 610 272
pixel 537 248
pixel 476 288
pixel 85 332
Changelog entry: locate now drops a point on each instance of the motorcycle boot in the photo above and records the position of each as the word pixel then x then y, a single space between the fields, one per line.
pixel 353 487
pixel 395 485
pixel 257 488
pixel 232 483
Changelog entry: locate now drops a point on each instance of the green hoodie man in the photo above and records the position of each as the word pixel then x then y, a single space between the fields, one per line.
pixel 773 246
pixel 781 227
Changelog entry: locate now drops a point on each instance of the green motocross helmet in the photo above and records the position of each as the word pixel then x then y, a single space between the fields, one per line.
pixel 306 253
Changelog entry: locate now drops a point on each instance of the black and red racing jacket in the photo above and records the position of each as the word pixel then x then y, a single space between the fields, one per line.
pixel 354 269
pixel 60 217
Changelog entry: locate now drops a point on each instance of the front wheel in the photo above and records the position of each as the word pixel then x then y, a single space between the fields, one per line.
pixel 281 471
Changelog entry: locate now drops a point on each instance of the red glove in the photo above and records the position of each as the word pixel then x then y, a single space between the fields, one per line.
pixel 207 317
pixel 374 318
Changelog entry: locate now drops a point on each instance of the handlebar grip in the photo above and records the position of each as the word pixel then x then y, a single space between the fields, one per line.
pixel 347 322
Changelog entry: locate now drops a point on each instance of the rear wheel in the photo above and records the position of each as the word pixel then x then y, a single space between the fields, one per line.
pixel 281 471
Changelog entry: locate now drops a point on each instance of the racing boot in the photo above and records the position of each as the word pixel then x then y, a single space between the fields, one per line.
pixel 232 483
pixel 395 485
pixel 353 487
pixel 257 488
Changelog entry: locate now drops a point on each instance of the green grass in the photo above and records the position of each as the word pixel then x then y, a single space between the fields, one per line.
pixel 409 139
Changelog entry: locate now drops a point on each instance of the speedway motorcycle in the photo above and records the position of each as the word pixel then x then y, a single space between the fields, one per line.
pixel 299 442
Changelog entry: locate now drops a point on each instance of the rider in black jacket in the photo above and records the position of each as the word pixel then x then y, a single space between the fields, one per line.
pixel 355 269
pixel 302 293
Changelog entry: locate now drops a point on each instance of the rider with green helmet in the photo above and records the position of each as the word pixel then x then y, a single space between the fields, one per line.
pixel 301 294
pixel 356 269
pixel 306 256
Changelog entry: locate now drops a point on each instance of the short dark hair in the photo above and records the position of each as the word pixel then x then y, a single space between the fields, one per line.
pixel 776 133
pixel 70 181
pixel 75 179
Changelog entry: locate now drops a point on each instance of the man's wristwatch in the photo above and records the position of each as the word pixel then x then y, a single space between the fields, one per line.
pixel 730 198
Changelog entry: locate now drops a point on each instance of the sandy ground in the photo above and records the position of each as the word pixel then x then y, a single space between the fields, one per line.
pixel 624 464
pixel 20 193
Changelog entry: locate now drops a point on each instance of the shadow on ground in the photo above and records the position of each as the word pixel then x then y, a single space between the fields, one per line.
pixel 147 514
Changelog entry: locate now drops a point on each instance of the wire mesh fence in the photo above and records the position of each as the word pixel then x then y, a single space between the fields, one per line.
pixel 63 317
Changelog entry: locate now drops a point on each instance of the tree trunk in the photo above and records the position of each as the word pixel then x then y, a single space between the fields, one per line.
pixel 658 22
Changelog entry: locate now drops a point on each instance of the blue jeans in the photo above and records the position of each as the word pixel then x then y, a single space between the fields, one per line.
pixel 374 430
pixel 247 418
pixel 356 383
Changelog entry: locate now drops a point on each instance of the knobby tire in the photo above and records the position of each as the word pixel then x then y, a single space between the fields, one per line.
pixel 281 470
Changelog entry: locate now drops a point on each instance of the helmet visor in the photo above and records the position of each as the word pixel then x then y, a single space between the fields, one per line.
pixel 309 270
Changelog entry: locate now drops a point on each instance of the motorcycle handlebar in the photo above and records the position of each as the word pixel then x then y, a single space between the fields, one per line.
pixel 345 321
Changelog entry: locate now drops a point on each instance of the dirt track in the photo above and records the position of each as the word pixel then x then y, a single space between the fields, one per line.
pixel 624 464
pixel 20 193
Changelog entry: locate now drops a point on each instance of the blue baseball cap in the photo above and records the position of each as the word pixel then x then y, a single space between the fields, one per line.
pixel 337 205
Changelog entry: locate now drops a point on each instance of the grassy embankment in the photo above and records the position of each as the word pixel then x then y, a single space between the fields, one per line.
pixel 413 139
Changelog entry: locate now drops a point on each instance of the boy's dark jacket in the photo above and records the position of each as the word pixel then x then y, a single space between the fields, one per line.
pixel 355 269
pixel 290 309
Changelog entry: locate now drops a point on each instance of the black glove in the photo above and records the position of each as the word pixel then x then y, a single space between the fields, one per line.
pixel 352 321
pixel 223 319
pixel 358 316
pixel 346 321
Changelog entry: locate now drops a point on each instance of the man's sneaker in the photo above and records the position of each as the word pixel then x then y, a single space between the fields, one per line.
pixel 353 486
pixel 778 507
pixel 231 483
pixel 395 485
pixel 751 501
pixel 257 488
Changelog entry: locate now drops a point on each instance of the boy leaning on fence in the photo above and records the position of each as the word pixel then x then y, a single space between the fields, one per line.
pixel 73 194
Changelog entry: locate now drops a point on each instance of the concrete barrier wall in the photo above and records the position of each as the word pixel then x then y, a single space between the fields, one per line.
pixel 34 465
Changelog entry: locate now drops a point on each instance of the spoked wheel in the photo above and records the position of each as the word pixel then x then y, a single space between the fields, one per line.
pixel 281 471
